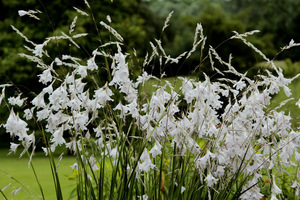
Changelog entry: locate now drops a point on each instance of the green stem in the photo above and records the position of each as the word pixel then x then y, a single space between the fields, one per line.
pixel 37 180
pixel 161 171
pixel 173 173
pixel 3 195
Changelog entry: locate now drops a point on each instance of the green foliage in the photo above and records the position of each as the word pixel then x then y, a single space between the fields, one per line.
pixel 130 17
pixel 220 17
pixel 278 19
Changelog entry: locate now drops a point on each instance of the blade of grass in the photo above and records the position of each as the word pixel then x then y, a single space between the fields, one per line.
pixel 3 195
pixel 173 172
pixel 161 170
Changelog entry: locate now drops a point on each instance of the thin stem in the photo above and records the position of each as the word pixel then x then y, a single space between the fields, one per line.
pixel 36 178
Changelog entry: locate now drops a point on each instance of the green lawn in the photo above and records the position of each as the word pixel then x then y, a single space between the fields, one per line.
pixel 290 69
pixel 18 169
pixel 290 106
pixel 151 85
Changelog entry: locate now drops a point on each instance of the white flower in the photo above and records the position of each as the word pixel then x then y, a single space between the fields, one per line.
pixel 91 64
pixel 93 163
pixel 297 155
pixel 2 95
pixel 287 91
pixel 58 61
pixel 182 189
pixel 240 85
pixel 43 114
pixel 57 137
pixel 124 109
pixel 252 193
pixel 187 85
pixel 28 114
pixel 147 164
pixel 114 153
pixel 144 197
pixel 128 89
pixel 54 120
pixel 28 140
pixel 82 70
pixel 38 101
pixel 133 109
pixel 38 50
pixel 46 76
pixel 103 95
pixel 48 89
pixel 220 171
pixel 225 93
pixel 16 126
pixel 295 184
pixel 59 98
pixel 120 72
pixel 156 150
pixel 211 180
pixel 99 143
pixel 273 197
pixel 73 146
pixel 108 18
pixel 13 147
pixel 199 27
pixel 16 100
pixel 81 119
pixel 298 103
pixel 142 79
pixel 45 151
pixel 74 166
pixel 74 104
pixel 120 76
pixel 274 88
pixel 276 189
pixel 22 13
pixel 205 160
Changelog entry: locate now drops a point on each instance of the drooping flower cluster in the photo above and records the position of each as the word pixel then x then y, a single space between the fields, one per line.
pixel 244 136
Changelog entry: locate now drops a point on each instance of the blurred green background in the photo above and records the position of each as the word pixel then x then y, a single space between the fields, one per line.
pixel 140 21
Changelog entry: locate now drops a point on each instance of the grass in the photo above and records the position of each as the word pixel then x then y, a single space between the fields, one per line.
pixel 18 169
pixel 290 107
pixel 151 85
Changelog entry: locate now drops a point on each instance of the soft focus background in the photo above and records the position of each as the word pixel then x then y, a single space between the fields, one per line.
pixel 140 21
